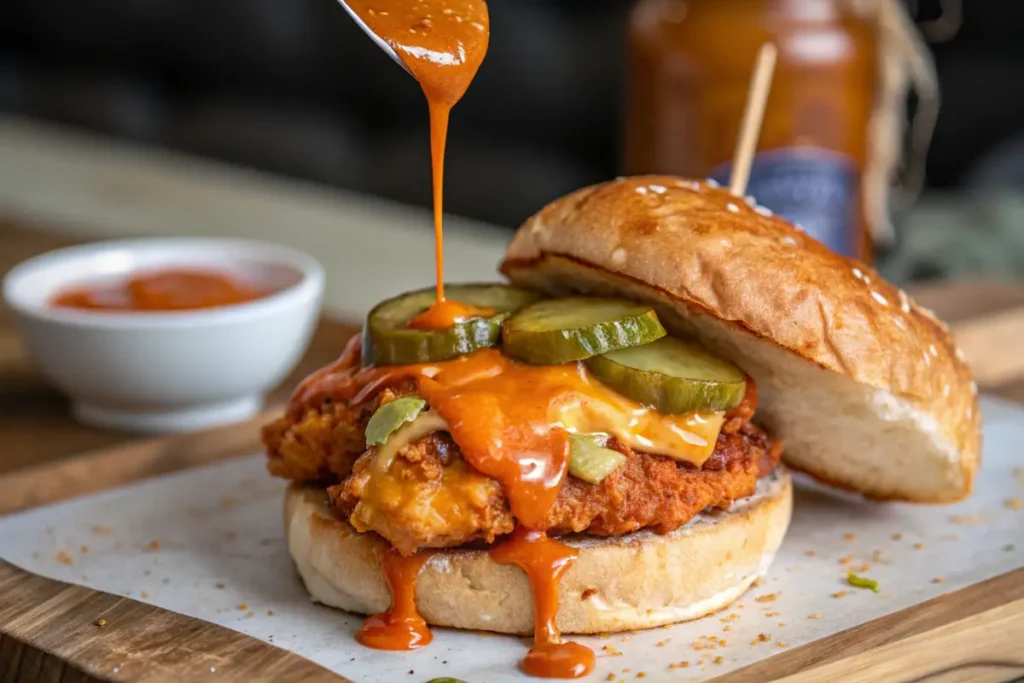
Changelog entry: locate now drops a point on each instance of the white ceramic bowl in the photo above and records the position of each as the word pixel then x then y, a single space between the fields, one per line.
pixel 173 371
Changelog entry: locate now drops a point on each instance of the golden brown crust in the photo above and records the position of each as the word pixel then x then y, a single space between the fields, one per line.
pixel 712 253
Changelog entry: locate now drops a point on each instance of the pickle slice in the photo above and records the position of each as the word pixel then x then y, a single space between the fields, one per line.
pixel 563 330
pixel 672 375
pixel 390 417
pixel 589 460
pixel 388 340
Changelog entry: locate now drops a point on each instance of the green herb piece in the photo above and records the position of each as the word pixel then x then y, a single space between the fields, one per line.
pixel 862 582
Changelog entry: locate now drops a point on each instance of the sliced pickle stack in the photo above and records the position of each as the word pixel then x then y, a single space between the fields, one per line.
pixel 575 328
pixel 589 460
pixel 388 339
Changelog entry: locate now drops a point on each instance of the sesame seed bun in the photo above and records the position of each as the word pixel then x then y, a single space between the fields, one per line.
pixel 865 388
pixel 616 584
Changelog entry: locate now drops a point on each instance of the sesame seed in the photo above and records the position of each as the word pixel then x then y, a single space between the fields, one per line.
pixel 641 190
pixel 659 189
pixel 879 298
pixel 732 207
pixel 764 211
pixel 711 182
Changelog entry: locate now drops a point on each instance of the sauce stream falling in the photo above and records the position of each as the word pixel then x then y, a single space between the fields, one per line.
pixel 442 43
pixel 401 627
pixel 545 560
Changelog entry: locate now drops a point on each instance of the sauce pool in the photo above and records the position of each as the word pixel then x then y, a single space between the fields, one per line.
pixel 161 290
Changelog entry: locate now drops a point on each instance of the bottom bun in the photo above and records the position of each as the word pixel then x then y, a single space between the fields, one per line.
pixel 616 584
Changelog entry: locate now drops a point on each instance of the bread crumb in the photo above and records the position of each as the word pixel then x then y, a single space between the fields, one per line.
pixel 782 624
pixel 763 637
pixel 84 549
pixel 938 579
pixel 782 644
pixel 626 670
pixel 718 660
pixel 810 553
pixel 896 537
pixel 845 560
pixel 152 546
pixel 219 586
pixel 723 643
pixel 849 537
pixel 814 615
pixel 861 568
pixel 919 546
pixel 100 529
pixel 662 643
pixel 770 597
pixel 641 674
pixel 726 629
pixel 965 519
pixel 1013 504
pixel 700 662
pixel 610 677
pixel 144 595
pixel 839 594
pixel 772 614
pixel 64 557
pixel 624 639
pixel 876 556
pixel 270 612
pixel 101 622
pixel 242 607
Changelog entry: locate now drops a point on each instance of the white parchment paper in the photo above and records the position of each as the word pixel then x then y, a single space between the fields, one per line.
pixel 208 543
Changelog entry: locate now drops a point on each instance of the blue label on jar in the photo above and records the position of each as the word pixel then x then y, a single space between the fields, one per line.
pixel 814 188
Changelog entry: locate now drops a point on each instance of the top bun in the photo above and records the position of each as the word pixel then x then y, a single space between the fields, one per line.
pixel 865 388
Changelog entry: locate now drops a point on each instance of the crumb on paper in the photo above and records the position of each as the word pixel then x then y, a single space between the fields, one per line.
pixel 810 553
pixel 965 519
pixel 101 530
pixel 626 670
pixel 938 579
pixel 839 594
pixel 641 674
pixel 860 568
pixel 101 622
pixel 270 612
pixel 64 557
pixel 667 626
pixel 144 595
pixel 758 582
pixel 772 614
pixel 782 624
pixel 896 537
pixel 877 556
pixel 662 643
pixel 726 628
pixel 814 615
pixel 1009 548
pixel 718 660
pixel 1013 504
pixel 84 549
pixel 249 614
pixel 610 677
pixel 242 607
pixel 604 636
pixel 849 537
pixel 770 597
pixel 219 586
pixel 782 644
pixel 845 560
pixel 919 546
pixel 152 546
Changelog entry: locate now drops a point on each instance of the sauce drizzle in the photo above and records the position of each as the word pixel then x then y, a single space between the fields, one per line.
pixel 442 43
pixel 401 627
pixel 545 560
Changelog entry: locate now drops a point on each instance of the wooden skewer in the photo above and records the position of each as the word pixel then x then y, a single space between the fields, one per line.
pixel 750 128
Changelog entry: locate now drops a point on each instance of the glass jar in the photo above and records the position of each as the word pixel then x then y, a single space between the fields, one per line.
pixel 691 63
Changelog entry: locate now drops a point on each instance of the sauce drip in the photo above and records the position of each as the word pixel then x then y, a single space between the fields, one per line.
pixel 162 290
pixel 401 627
pixel 545 560
pixel 442 43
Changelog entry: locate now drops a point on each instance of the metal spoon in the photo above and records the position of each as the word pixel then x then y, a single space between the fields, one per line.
pixel 381 43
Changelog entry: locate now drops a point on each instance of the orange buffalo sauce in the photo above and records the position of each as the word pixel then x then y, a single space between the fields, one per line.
pixel 545 560
pixel 401 627
pixel 163 290
pixel 442 43
pixel 512 423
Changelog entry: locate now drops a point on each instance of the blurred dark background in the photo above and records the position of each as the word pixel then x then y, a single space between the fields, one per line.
pixel 292 86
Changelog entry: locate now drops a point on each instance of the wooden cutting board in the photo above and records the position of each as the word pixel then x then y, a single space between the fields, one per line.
pixel 52 632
